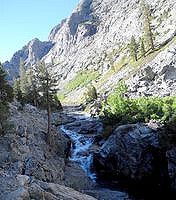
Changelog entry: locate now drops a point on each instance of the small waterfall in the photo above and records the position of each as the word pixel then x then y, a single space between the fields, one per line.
pixel 80 151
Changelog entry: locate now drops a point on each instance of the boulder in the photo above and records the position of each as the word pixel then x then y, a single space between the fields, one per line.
pixel 76 178
pixel 170 73
pixel 147 74
pixel 132 152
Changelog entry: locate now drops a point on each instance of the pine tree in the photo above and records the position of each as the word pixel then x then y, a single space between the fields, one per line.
pixel 16 90
pixel 133 48
pixel 148 35
pixel 23 80
pixel 6 95
pixel 32 88
pixel 47 84
pixel 142 49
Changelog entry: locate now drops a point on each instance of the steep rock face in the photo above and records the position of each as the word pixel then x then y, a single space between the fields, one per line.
pixel 96 28
pixel 30 54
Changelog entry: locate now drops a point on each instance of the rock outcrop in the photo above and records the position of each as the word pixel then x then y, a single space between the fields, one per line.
pixel 30 168
pixel 26 151
pixel 133 152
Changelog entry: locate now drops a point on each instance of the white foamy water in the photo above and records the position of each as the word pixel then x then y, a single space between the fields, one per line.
pixel 80 151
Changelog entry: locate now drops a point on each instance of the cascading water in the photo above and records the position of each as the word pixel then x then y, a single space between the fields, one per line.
pixel 80 151
pixel 82 132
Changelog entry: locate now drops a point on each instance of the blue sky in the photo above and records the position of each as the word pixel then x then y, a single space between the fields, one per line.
pixel 23 20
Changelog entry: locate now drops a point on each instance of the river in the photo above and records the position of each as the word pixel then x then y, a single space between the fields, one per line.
pixel 82 152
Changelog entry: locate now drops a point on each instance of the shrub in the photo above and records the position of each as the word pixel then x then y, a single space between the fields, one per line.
pixel 143 109
pixel 90 94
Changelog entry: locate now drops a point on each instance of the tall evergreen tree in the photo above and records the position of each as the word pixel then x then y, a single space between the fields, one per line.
pixel 142 49
pixel 32 88
pixel 47 84
pixel 17 90
pixel 6 95
pixel 133 48
pixel 147 28
pixel 23 79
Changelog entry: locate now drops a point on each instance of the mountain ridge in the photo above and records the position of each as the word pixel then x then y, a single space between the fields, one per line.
pixel 96 35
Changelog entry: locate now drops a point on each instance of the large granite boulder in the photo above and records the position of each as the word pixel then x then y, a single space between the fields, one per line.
pixel 132 152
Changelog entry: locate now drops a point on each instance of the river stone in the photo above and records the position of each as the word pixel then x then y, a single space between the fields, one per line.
pixel 61 119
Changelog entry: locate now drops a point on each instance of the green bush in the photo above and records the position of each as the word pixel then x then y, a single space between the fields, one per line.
pixel 143 109
pixel 90 94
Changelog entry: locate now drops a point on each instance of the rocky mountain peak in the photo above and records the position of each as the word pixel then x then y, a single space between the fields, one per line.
pixel 30 54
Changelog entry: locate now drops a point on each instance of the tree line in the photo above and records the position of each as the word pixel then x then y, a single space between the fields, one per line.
pixel 36 86
pixel 6 96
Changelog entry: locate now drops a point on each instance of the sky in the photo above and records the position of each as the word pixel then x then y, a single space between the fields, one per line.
pixel 23 20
